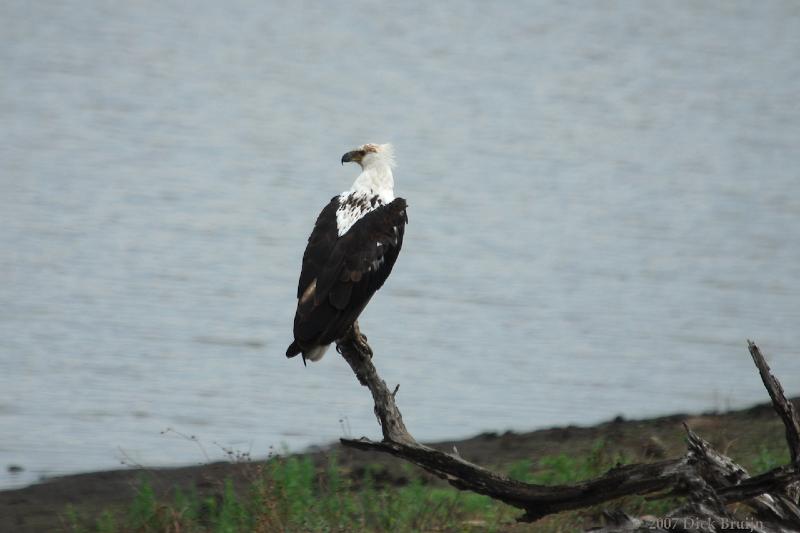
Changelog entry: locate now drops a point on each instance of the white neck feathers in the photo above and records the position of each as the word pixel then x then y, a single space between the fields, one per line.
pixel 375 179
pixel 376 176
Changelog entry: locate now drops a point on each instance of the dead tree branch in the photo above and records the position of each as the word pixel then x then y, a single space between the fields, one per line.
pixel 734 483
pixel 782 406
pixel 358 354
pixel 710 479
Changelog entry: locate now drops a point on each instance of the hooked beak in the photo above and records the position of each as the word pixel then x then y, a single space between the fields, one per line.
pixel 355 155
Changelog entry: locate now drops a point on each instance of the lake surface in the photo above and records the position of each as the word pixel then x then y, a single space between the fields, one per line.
pixel 604 204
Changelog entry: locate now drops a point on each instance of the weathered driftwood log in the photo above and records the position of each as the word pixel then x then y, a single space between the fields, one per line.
pixel 704 509
pixel 709 479
pixel 721 480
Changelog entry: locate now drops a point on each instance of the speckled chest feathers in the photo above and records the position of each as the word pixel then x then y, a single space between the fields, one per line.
pixel 353 206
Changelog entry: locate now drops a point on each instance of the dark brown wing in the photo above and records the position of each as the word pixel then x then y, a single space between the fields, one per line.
pixel 358 265
pixel 320 245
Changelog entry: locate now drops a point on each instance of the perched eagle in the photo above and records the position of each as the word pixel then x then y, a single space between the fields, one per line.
pixel 350 253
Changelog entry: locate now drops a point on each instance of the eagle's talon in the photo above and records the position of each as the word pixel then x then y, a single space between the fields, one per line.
pixel 363 347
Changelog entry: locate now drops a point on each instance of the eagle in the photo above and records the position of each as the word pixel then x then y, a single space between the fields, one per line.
pixel 350 253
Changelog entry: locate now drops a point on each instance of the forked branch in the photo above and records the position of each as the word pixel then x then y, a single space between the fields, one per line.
pixel 701 466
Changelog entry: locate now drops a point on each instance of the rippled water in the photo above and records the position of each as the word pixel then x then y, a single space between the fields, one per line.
pixel 604 203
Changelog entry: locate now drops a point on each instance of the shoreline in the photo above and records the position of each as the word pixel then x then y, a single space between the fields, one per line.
pixel 745 433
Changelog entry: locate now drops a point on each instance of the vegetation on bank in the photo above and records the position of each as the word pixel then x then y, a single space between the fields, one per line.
pixel 290 494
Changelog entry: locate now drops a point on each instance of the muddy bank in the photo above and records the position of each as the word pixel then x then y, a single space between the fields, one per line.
pixel 744 434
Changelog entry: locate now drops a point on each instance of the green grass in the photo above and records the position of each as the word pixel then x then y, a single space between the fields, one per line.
pixel 565 469
pixel 288 494
pixel 769 458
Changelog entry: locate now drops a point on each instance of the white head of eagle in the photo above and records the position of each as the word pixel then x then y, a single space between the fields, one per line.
pixel 350 253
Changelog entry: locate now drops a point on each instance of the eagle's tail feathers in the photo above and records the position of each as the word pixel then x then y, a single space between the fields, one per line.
pixel 293 349
pixel 315 353
pixel 311 354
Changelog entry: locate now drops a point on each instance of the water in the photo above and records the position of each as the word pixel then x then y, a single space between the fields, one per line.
pixel 604 203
